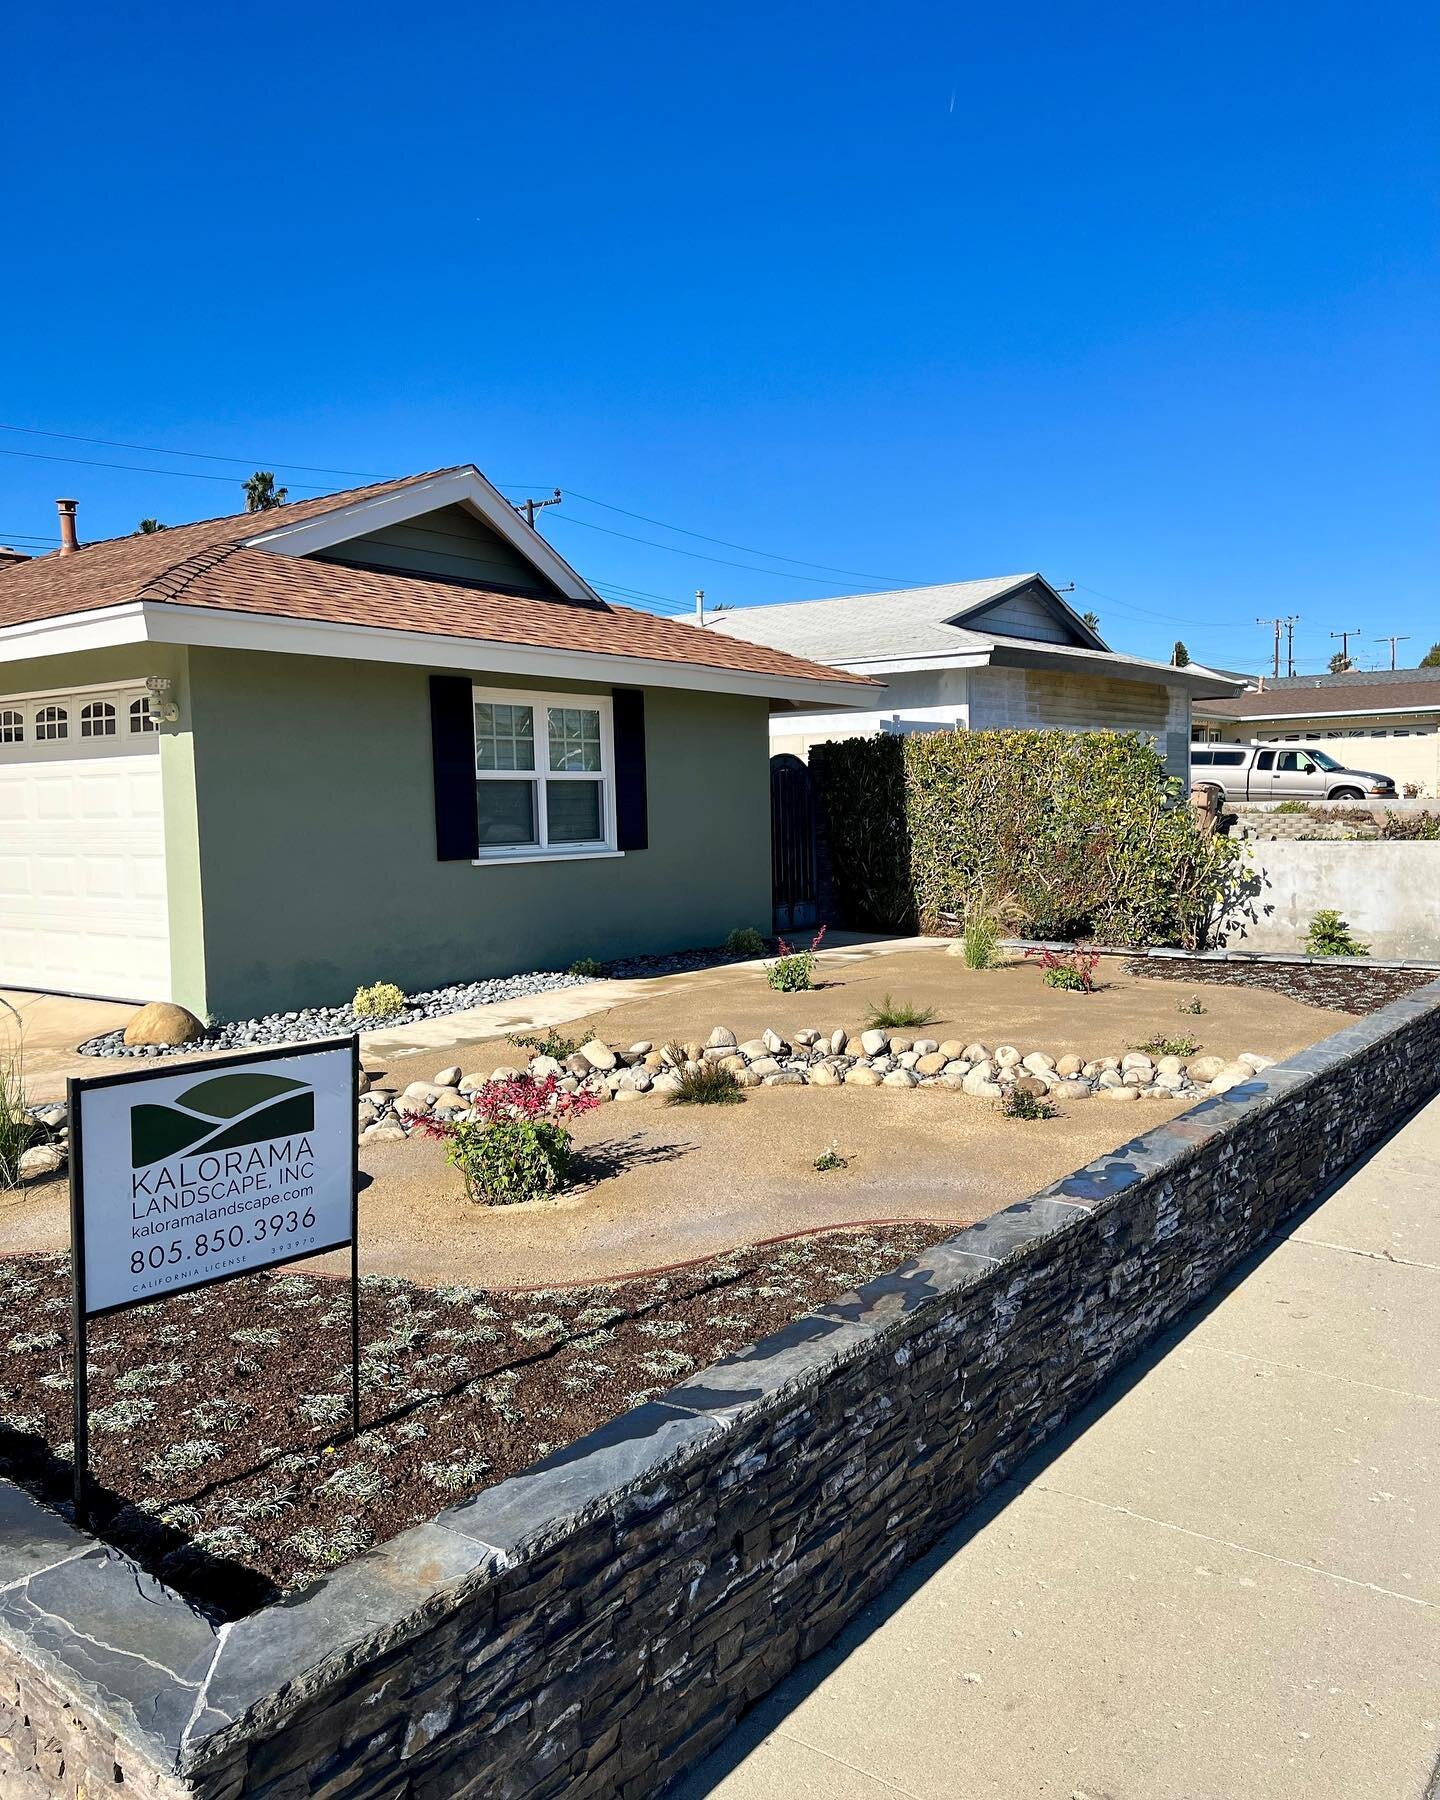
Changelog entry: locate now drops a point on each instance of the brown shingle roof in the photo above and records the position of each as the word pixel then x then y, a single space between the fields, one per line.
pixel 120 569
pixel 1326 702
pixel 214 570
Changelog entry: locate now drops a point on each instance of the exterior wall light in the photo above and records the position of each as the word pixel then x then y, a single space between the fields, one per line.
pixel 163 708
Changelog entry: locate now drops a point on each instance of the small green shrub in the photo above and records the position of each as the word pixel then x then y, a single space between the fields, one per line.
pixel 551 1044
pixel 1329 935
pixel 506 1161
pixel 1194 1007
pixel 892 1013
pixel 1165 1046
pixel 1019 1103
pixel 706 1085
pixel 1292 806
pixel 979 942
pixel 745 940
pixel 381 1000
pixel 830 1159
pixel 586 968
pixel 793 971
pixel 1073 970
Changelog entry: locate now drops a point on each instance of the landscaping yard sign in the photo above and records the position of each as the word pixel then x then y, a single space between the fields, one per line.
pixel 180 1179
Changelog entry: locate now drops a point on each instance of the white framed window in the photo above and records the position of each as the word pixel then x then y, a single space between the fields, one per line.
pixel 97 719
pixel 51 723
pixel 544 775
pixel 141 718
pixel 12 726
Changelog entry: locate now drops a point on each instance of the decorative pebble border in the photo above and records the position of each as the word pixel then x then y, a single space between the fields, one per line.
pixel 339 1021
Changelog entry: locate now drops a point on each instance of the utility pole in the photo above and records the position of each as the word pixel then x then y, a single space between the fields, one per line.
pixel 1392 642
pixel 699 606
pixel 1290 624
pixel 531 507
pixel 1345 637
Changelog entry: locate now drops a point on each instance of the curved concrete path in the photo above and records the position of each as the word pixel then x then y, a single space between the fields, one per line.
pixel 1223 1582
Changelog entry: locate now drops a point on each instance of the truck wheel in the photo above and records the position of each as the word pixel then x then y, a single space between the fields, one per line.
pixel 1346 793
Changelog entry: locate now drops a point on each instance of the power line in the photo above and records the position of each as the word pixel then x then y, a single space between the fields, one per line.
pixel 1150 613
pixel 749 549
pixel 255 462
pixel 88 462
pixel 675 550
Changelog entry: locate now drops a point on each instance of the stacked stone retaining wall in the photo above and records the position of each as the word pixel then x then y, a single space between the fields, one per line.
pixel 594 1625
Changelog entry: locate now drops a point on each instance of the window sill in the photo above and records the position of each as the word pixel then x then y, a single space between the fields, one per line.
pixel 503 857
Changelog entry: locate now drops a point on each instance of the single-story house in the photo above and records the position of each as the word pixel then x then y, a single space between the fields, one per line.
pixel 1394 712
pixel 976 655
pixel 387 734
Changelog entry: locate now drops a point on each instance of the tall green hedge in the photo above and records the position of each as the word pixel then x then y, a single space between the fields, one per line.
pixel 1063 835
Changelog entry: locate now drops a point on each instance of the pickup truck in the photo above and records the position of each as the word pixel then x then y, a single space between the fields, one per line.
pixel 1261 771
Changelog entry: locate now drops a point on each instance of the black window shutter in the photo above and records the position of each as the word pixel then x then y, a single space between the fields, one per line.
pixel 452 744
pixel 632 818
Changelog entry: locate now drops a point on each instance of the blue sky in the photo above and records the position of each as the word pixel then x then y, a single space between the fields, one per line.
pixel 1145 298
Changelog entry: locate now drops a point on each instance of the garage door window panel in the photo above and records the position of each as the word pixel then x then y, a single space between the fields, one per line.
pixel 51 724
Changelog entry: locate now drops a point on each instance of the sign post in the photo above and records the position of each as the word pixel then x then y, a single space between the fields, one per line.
pixel 181 1179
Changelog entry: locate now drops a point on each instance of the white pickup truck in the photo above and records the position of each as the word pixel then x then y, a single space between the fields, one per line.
pixel 1261 771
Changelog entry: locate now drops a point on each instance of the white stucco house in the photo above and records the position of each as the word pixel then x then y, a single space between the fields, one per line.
pixel 974 655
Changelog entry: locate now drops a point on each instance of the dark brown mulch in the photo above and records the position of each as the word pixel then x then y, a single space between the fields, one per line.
pixel 219 1436
pixel 1339 987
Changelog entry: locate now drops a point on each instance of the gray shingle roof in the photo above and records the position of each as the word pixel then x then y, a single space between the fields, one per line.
pixel 869 627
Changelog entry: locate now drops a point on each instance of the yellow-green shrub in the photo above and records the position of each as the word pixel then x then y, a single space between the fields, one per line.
pixel 382 1000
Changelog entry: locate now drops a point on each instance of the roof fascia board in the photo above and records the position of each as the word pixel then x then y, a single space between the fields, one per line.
pixel 101 629
pixel 1119 668
pixel 464 487
pixel 216 628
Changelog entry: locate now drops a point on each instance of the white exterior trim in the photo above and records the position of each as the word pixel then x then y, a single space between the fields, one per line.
pixel 541 774
pixel 168 622
pixel 462 487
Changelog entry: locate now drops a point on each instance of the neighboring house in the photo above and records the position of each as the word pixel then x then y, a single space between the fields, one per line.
pixel 1395 713
pixel 974 655
pixel 388 734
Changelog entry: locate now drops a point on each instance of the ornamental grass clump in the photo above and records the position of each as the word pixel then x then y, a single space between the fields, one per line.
pixel 897 1013
pixel 17 1129
pixel 793 971
pixel 979 942
pixel 517 1147
pixel 707 1084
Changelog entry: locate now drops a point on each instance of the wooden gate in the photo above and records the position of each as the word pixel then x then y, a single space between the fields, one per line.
pixel 792 843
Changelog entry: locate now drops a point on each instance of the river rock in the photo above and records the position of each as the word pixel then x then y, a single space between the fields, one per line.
pixel 1006 1056
pixel 1038 1062
pixel 720 1038
pixel 932 1063
pixel 873 1042
pixel 162 1023
pixel 1070 1066
pixel 1122 1092
pixel 40 1160
pixel 1205 1068
pixel 601 1056
pixel 952 1049
pixel 861 1076
pixel 899 1078
pixel 839 1038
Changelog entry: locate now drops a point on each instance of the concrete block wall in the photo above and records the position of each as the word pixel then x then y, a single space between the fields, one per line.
pixel 591 1627
pixel 1386 890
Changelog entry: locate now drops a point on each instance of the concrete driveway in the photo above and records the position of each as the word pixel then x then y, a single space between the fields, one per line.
pixel 1223 1581
pixel 53 1024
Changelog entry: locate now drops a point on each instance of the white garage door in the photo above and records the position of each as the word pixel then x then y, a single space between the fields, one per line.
pixel 82 846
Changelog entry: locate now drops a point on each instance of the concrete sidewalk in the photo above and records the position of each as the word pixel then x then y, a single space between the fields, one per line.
pixel 1224 1581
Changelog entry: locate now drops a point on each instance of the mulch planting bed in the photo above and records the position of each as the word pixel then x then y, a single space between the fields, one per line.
pixel 1347 987
pixel 220 1450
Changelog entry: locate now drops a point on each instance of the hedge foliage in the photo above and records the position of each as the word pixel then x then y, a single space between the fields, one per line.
pixel 1057 835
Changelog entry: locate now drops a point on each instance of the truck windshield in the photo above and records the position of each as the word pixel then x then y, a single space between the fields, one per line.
pixel 1325 761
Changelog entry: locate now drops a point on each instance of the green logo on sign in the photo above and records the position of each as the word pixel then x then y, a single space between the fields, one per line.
pixel 221 1114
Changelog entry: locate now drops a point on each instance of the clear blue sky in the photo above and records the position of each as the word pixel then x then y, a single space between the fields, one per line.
pixel 1145 298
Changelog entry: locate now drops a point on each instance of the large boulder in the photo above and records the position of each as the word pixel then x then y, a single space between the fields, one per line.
pixel 164 1023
